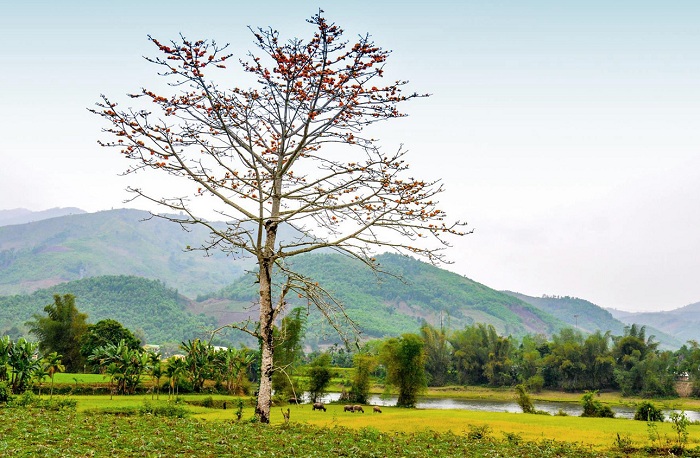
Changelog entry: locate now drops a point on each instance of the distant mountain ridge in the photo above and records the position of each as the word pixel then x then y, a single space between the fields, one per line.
pixel 588 317
pixel 683 323
pixel 23 216
pixel 61 252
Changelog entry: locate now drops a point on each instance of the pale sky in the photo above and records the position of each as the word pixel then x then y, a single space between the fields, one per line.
pixel 566 133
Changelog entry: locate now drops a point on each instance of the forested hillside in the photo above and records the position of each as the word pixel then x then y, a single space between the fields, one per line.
pixel 397 303
pixel 148 307
pixel 117 242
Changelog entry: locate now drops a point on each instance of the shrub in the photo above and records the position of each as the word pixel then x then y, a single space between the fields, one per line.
pixel 680 422
pixel 524 400
pixel 476 433
pixel 4 392
pixel 624 443
pixel 29 399
pixel 594 408
pixel 535 383
pixel 646 411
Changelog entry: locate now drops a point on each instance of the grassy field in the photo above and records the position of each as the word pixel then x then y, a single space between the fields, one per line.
pixel 595 433
pixel 30 432
pixel 89 431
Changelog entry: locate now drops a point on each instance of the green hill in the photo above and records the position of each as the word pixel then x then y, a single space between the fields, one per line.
pixel 117 242
pixel 393 304
pixel 148 307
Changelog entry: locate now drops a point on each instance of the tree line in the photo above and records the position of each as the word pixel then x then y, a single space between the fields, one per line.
pixel 476 355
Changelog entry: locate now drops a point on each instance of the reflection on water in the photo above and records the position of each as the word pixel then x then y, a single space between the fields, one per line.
pixel 569 408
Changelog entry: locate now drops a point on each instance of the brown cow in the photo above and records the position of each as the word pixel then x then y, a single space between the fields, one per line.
pixel 348 409
pixel 376 409
pixel 357 408
pixel 318 406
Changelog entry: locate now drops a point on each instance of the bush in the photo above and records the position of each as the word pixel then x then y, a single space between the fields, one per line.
pixel 594 408
pixel 4 392
pixel 524 400
pixel 29 399
pixel 535 383
pixel 624 443
pixel 477 433
pixel 648 412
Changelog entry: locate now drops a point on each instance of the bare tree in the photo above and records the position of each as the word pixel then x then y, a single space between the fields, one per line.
pixel 255 157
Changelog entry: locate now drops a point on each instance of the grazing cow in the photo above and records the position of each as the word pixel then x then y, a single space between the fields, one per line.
pixel 318 406
pixel 293 401
pixel 376 409
pixel 348 409
pixel 357 408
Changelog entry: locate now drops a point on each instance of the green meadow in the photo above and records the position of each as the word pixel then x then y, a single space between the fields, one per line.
pixel 577 434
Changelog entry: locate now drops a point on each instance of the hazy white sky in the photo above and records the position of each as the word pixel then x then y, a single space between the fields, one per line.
pixel 566 133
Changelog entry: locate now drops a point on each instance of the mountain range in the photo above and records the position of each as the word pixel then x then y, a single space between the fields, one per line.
pixel 124 264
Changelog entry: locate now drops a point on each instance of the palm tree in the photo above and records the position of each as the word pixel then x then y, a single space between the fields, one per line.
pixel 155 370
pixel 175 370
pixel 53 364
pixel 39 374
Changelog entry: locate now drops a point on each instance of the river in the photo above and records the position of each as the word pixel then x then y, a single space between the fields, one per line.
pixel 569 408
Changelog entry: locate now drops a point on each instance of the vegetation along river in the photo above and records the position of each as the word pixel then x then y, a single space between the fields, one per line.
pixel 569 408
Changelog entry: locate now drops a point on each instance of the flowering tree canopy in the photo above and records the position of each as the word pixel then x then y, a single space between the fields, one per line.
pixel 290 151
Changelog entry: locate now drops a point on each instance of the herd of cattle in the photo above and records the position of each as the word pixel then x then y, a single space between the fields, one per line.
pixel 347 408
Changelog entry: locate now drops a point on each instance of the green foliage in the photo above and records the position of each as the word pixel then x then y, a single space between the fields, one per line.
pixel 23 364
pixel 147 306
pixel 29 399
pixel 646 411
pixel 106 332
pixel 680 422
pixel 61 330
pixel 288 352
pixel 4 392
pixel 481 356
pixel 478 432
pixel 319 374
pixel 122 364
pixel 438 351
pixel 594 408
pixel 364 364
pixel 404 360
pixel 624 443
pixel 523 399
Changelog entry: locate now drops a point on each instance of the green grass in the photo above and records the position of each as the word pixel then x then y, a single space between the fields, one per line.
pixel 592 433
pixel 67 378
pixel 34 432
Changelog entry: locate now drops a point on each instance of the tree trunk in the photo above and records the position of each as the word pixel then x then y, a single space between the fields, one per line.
pixel 266 322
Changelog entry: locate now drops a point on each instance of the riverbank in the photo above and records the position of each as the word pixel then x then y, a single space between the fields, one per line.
pixel 611 398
